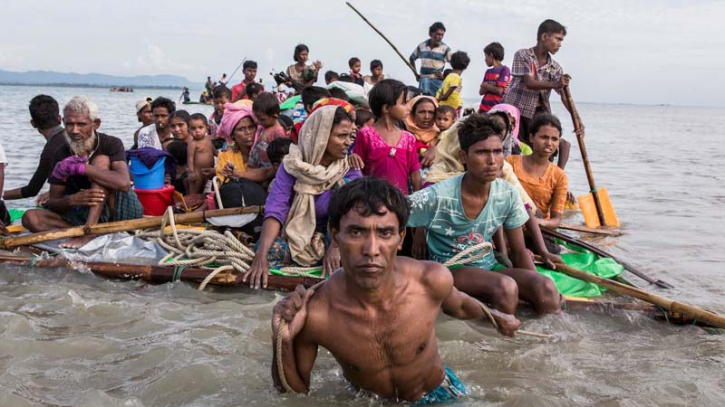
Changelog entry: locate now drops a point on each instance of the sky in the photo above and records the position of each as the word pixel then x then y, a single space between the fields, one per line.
pixel 617 51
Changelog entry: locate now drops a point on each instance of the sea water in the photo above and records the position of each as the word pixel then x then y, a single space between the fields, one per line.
pixel 68 338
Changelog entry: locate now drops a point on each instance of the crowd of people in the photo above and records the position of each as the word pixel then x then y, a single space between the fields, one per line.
pixel 354 174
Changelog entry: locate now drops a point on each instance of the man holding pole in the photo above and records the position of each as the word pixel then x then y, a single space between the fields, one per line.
pixel 433 54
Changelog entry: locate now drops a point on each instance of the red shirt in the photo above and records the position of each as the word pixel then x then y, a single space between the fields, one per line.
pixel 239 89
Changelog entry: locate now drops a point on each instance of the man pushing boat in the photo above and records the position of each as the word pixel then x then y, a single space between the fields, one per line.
pixel 376 314
pixel 90 182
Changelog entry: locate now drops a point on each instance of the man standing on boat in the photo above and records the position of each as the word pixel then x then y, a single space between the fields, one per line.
pixel 44 117
pixel 90 183
pixel 433 54
pixel 377 313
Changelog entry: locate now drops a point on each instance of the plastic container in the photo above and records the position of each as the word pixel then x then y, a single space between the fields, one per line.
pixel 155 201
pixel 147 178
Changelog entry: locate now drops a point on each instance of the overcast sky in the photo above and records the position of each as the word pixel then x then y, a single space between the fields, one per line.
pixel 617 51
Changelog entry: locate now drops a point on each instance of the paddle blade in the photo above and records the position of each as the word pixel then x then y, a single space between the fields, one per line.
pixel 589 209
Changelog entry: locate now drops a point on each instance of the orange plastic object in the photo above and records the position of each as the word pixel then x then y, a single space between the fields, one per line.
pixel 589 209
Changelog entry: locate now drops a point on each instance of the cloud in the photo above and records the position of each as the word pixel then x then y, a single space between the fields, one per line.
pixel 156 61
pixel 10 61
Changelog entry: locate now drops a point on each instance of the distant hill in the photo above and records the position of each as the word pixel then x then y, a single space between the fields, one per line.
pixel 91 79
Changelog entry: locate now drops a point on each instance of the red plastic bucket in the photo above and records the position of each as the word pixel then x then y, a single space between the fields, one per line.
pixel 155 201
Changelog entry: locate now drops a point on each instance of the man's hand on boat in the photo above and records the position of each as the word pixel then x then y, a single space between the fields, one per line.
pixel 88 197
pixel 293 310
pixel 258 272
pixel 550 260
pixel 42 199
pixel 331 262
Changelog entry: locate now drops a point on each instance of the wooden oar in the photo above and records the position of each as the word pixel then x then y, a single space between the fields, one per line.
pixel 689 311
pixel 596 231
pixel 407 63
pixel 605 214
pixel 122 226
pixel 627 266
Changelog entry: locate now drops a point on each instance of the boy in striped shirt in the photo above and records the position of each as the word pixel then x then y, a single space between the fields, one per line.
pixel 496 79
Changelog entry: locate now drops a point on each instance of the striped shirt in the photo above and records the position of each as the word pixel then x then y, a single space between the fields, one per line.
pixel 500 77
pixel 432 60
pixel 527 64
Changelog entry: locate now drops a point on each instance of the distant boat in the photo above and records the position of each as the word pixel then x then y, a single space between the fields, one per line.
pixel 122 89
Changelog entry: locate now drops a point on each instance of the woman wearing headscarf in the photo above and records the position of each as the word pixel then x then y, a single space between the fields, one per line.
pixel 421 122
pixel 298 202
pixel 511 141
pixel 240 127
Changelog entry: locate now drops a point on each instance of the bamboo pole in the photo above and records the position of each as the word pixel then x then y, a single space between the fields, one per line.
pixel 688 311
pixel 605 232
pixel 407 63
pixel 122 226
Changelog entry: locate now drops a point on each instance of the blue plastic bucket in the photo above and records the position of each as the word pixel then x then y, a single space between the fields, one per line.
pixel 147 178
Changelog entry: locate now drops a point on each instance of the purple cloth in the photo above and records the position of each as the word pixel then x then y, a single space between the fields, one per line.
pixel 70 167
pixel 149 155
pixel 279 200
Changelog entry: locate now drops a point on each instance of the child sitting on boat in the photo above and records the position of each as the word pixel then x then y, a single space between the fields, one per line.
pixel 201 152
pixel 266 110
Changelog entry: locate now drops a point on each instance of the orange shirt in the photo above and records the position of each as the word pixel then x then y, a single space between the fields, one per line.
pixel 548 192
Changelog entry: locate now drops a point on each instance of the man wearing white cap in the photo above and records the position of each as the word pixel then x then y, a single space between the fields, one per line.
pixel 143 112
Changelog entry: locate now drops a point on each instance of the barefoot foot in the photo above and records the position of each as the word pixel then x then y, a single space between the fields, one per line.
pixel 76 242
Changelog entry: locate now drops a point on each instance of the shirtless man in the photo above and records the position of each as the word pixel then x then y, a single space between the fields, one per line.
pixel 376 314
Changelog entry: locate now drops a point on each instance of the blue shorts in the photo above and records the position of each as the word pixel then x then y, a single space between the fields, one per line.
pixel 430 86
pixel 450 389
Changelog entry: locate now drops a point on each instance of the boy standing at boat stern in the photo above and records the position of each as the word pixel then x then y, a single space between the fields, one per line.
pixel 377 313
pixel 496 79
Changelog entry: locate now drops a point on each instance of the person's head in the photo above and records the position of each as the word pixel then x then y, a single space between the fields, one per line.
pixel 243 133
pixel 339 138
pixel 503 119
pixel 143 111
pixel 445 117
pixel 224 76
pixel 249 69
pixel 312 94
pixel 266 108
pixel 460 61
pixel 44 112
pixel 253 90
pixel 436 33
pixel 338 93
pixel 198 126
pixel 413 92
pixel 286 122
pixel 364 117
pixel 545 134
pixel 162 109
pixel 221 95
pixel 424 112
pixel 178 151
pixel 551 34
pixel 367 219
pixel 277 149
pixel 331 76
pixel 302 53
pixel 388 98
pixel 481 148
pixel 179 124
pixel 493 52
pixel 447 72
pixel 355 65
pixel 80 118
pixel 376 68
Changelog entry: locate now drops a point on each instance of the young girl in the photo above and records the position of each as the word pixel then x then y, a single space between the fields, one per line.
pixel 179 124
pixel 200 153
pixel 545 183
pixel 387 151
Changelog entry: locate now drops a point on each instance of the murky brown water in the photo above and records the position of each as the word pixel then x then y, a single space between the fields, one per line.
pixel 72 339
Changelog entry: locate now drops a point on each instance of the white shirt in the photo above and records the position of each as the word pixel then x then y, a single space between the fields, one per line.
pixel 3 160
pixel 148 137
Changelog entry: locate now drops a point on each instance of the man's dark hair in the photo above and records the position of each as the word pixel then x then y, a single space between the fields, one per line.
pixel 178 150
pixel 446 109
pixel 44 111
pixel 375 63
pixel 478 127
pixel 277 149
pixel 541 120
pixel 266 103
pixel 253 88
pixel 460 60
pixel 221 91
pixel 331 76
pixel 496 51
pixel 164 102
pixel 346 78
pixel 550 27
pixel 363 116
pixel 435 27
pixel 385 93
pixel 338 93
pixel 249 64
pixel 413 91
pixel 368 196
pixel 199 116
pixel 298 50
pixel 312 94
pixel 353 61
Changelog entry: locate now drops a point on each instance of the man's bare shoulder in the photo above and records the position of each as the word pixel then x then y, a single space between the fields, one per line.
pixel 433 276
pixel 318 309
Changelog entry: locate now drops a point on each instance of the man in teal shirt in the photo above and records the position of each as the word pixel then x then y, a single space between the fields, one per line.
pixel 467 209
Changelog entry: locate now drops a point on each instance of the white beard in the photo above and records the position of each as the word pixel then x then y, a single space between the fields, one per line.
pixel 81 148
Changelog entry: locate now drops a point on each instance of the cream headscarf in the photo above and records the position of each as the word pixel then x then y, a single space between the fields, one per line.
pixel 447 163
pixel 303 163
pixel 428 136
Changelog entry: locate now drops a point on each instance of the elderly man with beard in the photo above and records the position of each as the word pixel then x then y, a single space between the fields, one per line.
pixel 90 183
